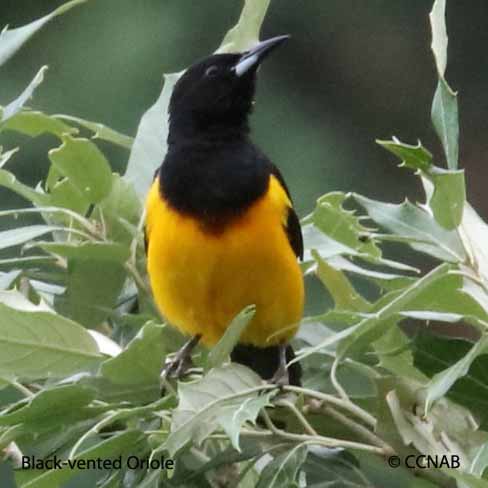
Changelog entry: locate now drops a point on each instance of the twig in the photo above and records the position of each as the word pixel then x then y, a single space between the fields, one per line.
pixel 321 440
pixel 339 402
pixel 305 423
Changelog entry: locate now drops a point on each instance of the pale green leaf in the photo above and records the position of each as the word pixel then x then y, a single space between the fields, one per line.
pixel 85 166
pixel 11 40
pixel 14 107
pixel 56 346
pixel 342 291
pixel 283 470
pixel 48 403
pixel 150 145
pixel 90 250
pixel 220 352
pixel 437 18
pixel 100 131
pixel 118 444
pixel 202 402
pixel 21 235
pixel 440 384
pixel 8 180
pixel 417 225
pixel 414 157
pixel 33 124
pixel 445 119
pixel 246 32
pixel 141 361
pixel 449 197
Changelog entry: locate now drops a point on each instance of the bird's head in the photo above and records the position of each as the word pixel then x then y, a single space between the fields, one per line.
pixel 219 90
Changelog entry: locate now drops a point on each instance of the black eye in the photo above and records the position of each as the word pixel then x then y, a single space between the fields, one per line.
pixel 211 71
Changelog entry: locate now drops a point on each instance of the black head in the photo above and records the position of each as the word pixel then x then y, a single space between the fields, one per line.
pixel 218 91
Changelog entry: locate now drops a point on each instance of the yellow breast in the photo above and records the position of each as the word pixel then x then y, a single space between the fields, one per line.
pixel 201 280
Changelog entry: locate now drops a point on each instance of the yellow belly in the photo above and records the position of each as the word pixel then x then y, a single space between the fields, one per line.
pixel 200 281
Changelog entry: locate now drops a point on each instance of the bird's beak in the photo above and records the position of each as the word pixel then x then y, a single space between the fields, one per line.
pixel 252 58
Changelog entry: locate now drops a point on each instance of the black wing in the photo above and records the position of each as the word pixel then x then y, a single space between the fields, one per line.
pixel 293 229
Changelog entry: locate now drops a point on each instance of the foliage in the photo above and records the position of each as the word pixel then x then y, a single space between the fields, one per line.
pixel 80 370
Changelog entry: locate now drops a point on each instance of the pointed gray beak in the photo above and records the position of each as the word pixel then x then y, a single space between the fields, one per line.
pixel 252 58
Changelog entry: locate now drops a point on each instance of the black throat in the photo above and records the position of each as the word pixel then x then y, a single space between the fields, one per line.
pixel 212 171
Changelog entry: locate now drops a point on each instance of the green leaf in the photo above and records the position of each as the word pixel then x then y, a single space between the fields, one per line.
pixel 283 470
pixel 141 361
pixel 8 180
pixel 85 166
pixel 85 303
pixel 11 40
pixel 342 225
pixel 449 197
pixel 100 131
pixel 480 461
pixel 33 124
pixel 49 403
pixel 414 157
pixel 21 235
pixel 14 107
pixel 440 384
pixel 56 346
pixel 221 351
pixel 437 18
pixel 150 146
pixel 445 119
pixel 415 224
pixel 89 250
pixel 5 156
pixel 203 402
pixel 120 211
pixel 475 232
pixel 246 32
pixel 342 292
pixel 107 449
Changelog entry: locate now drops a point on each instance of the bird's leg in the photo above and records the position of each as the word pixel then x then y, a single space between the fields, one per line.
pixel 181 362
pixel 281 377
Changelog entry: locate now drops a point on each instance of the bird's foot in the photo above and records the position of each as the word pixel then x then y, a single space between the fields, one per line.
pixel 281 377
pixel 181 362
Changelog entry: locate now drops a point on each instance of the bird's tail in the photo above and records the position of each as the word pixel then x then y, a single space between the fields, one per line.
pixel 265 361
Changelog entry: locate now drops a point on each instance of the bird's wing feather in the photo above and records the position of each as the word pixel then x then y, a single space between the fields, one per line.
pixel 292 227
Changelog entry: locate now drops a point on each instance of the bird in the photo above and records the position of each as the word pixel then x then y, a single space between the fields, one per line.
pixel 220 230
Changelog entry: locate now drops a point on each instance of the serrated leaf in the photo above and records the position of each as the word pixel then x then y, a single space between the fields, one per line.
pixel 201 403
pixel 246 32
pixel 11 40
pixel 220 352
pixel 414 223
pixel 283 470
pixel 150 145
pixel 56 346
pixel 414 157
pixel 85 166
pixel 342 225
pixel 100 131
pixel 440 384
pixel 15 106
pixel 141 361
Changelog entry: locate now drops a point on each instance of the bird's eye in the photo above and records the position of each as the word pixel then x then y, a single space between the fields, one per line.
pixel 211 71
